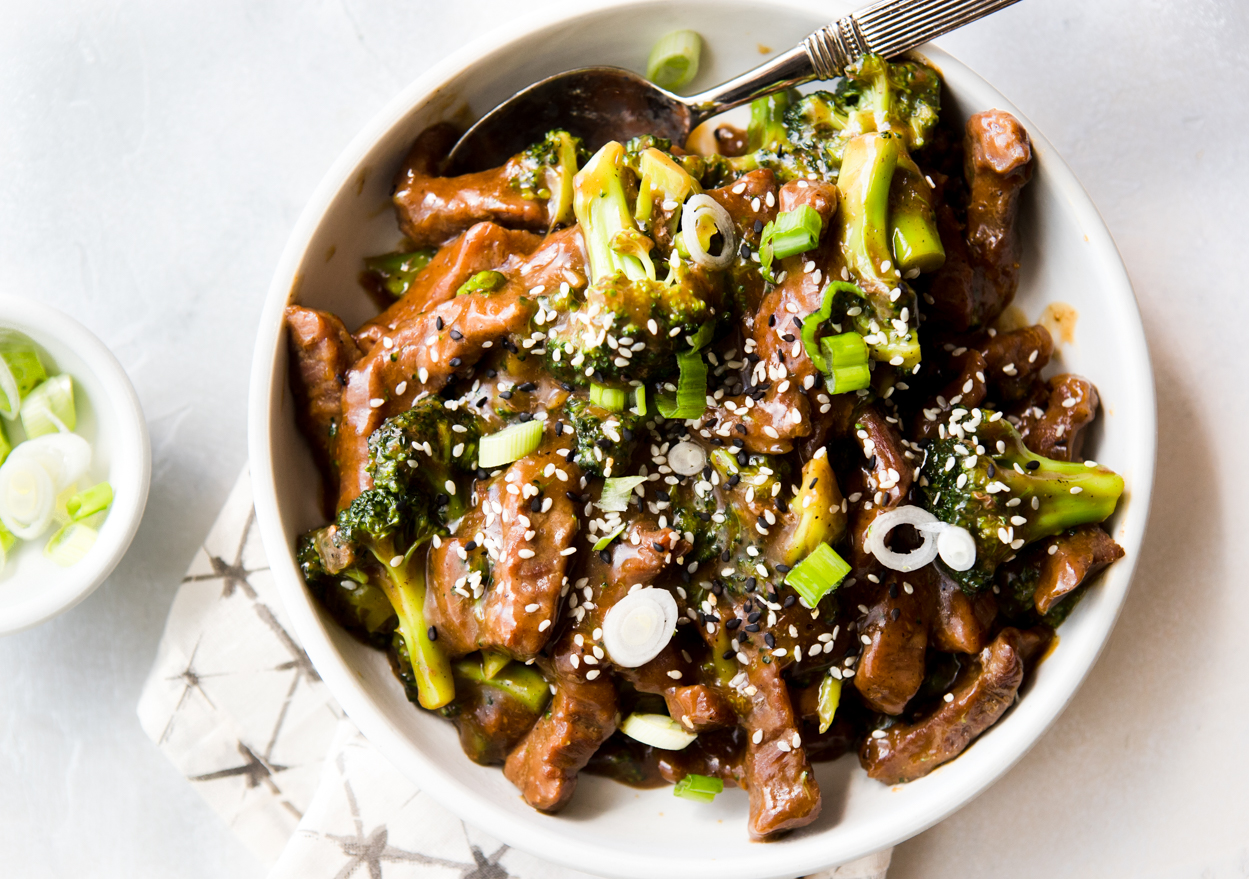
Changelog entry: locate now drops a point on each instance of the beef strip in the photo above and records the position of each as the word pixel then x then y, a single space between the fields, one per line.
pixel 981 271
pixel 891 667
pixel 432 210
pixel 983 691
pixel 515 615
pixel 1058 431
pixel 889 469
pixel 483 247
pixel 582 715
pixel 1014 360
pixel 422 358
pixel 1078 555
pixel 961 623
pixel 321 352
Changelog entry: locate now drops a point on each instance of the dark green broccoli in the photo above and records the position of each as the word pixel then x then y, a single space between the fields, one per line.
pixel 349 596
pixel 629 324
pixel 430 449
pixel 545 171
pixel 602 436
pixel 806 136
pixel 981 477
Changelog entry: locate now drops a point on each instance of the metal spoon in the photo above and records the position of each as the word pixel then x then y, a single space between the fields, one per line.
pixel 599 104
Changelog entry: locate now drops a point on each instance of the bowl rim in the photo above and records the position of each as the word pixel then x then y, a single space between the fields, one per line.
pixel 130 451
pixel 993 758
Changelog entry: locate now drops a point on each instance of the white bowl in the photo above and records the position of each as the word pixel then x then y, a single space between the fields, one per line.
pixel 610 829
pixel 32 588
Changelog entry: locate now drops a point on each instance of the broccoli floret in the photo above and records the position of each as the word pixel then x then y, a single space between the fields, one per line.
pixel 545 171
pixel 427 449
pixel 981 477
pixel 629 324
pixel 603 438
pixel 358 605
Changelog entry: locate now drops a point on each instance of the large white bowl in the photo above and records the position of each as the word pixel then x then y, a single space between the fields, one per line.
pixel 610 829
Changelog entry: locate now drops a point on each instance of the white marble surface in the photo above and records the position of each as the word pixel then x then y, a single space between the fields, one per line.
pixel 153 156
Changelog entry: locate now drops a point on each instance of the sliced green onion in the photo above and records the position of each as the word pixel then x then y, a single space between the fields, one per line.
pixel 673 61
pixel 848 378
pixel 639 402
pixel 617 491
pixel 482 282
pixel 509 444
pixel 605 541
pixel 394 272
pixel 658 731
pixel 5 446
pixel 846 349
pixel 49 408
pixel 691 396
pixel 20 370
pixel 791 233
pixel 609 398
pixel 69 545
pixel 830 698
pixel 698 787
pixel 89 502
pixel 818 574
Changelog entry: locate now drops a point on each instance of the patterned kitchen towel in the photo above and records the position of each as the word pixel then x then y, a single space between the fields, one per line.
pixel 234 703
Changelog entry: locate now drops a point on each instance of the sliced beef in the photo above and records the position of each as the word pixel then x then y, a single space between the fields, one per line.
pixel 432 210
pixel 1075 557
pixel 1057 431
pixel 983 691
pixel 981 271
pixel 889 470
pixel 961 624
pixel 1014 360
pixel 965 390
pixel 891 667
pixel 483 247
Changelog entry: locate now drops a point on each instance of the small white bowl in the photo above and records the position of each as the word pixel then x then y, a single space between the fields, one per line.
pixel 610 829
pixel 34 589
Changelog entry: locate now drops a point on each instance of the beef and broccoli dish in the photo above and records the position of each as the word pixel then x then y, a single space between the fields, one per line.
pixel 698 469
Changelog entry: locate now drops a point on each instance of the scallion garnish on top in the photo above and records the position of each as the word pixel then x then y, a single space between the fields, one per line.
pixel 791 233
pixel 510 444
pixel 698 787
pixel 818 574
pixel 842 359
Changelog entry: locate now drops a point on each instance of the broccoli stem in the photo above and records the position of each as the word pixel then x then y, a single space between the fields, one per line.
pixel 1069 494
pixel 404 585
pixel 867 171
pixel 663 180
pixel 523 684
pixel 912 223
pixel 602 209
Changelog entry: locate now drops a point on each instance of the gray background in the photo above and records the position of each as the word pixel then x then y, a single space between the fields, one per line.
pixel 155 154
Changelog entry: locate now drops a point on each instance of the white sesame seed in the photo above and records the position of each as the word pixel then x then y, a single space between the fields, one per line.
pixel 377 402
pixel 396 561
pixel 591 675
pixel 525 553
pixel 948 697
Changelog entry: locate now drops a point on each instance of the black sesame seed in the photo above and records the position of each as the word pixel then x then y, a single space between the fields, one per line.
pixel 782 505
pixel 745 250
pixel 441 500
pixel 525 416
pixel 627 434
pixel 662 495
pixel 605 556
pixel 438 323
pixel 717 587
pixel 893 590
pixel 797 321
pixel 490 373
pixel 788 337
pixel 704 515
pixel 510 346
pixel 751 583
pixel 895 613
pixel 1032 465
pixel 742 458
pixel 992 471
pixel 728 654
pixel 482 402
pixel 482 473
pixel 685 576
pixel 784 569
pixel 432 633
pixel 770 640
pixel 455 361
pixel 724 556
pixel 457 335
pixel 753 627
pixel 535 505
pixel 527 387
pixel 871 463
pixel 566 386
pixel 758 227
pixel 658 547
pixel 733 480
pixel 572 496
pixel 741 428
pixel 754 617
pixel 790 600
pixel 771 320
pixel 733 623
pixel 506 395
pixel 738 442
pixel 470 546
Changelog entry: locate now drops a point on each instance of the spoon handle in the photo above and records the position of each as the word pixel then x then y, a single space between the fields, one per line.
pixel 888 27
